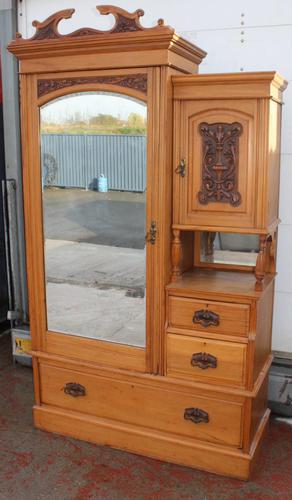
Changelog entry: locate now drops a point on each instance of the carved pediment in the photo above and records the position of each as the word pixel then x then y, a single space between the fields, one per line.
pixel 124 22
pixel 126 35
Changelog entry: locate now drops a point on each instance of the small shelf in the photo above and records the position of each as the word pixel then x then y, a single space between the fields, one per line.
pixel 210 281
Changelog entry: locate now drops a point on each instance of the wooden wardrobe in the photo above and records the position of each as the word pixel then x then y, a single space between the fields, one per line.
pixel 196 393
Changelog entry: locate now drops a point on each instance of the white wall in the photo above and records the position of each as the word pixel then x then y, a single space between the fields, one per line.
pixel 246 35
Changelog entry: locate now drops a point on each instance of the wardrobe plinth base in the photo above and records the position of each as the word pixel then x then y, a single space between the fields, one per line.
pixel 176 449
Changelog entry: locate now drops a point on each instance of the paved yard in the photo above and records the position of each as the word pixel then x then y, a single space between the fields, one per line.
pixel 95 264
pixel 115 218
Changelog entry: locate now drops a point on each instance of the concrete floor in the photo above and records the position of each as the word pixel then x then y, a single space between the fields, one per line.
pixel 96 291
pixel 36 465
pixel 99 314
pixel 98 266
pixel 115 218
pixel 95 264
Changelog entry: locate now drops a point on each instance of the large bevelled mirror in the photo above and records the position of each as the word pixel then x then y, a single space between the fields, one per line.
pixel 93 158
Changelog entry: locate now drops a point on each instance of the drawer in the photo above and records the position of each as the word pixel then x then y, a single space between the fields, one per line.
pixel 211 316
pixel 189 414
pixel 206 360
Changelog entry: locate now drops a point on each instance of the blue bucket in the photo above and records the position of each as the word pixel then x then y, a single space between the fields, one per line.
pixel 102 184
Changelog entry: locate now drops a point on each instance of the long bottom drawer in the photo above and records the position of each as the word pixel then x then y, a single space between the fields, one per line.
pixel 193 414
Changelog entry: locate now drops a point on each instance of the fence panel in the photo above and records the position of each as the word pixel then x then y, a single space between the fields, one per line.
pixel 77 161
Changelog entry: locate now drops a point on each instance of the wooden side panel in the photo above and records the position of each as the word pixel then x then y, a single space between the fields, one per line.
pixel 258 408
pixel 144 405
pixel 262 344
pixel 228 367
pixel 274 162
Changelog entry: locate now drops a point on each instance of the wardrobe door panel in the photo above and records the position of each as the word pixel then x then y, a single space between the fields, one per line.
pixel 218 145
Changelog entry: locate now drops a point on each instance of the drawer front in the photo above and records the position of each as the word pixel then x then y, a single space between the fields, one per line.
pixel 188 414
pixel 220 317
pixel 206 360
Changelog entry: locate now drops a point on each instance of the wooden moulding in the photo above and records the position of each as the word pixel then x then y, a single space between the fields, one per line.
pixel 239 230
pixel 156 381
pixel 209 284
pixel 248 85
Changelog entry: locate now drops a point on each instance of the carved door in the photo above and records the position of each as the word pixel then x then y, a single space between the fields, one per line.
pixel 216 158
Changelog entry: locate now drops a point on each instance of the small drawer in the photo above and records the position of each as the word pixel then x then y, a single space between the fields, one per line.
pixel 193 413
pixel 206 360
pixel 217 317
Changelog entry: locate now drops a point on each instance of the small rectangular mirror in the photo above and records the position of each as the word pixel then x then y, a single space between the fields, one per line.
pixel 229 248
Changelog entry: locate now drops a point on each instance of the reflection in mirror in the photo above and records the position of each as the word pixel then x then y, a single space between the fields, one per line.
pixel 229 248
pixel 93 157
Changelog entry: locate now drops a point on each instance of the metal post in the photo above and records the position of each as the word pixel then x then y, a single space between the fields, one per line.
pixel 8 28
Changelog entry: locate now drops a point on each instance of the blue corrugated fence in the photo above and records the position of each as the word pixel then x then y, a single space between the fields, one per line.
pixel 77 161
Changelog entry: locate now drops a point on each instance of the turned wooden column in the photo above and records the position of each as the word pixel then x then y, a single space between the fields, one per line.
pixel 210 238
pixel 271 253
pixel 176 255
pixel 261 262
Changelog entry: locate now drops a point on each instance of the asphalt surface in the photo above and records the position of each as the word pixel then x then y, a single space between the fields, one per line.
pixel 114 219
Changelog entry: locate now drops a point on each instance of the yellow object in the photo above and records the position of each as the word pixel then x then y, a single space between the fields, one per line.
pixel 22 346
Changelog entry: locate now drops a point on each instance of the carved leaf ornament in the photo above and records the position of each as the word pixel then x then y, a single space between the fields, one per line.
pixel 136 81
pixel 124 22
pixel 220 163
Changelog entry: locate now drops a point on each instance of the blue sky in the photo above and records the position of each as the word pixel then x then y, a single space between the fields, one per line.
pixel 91 104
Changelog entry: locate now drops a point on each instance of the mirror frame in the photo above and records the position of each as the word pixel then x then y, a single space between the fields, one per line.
pixel 90 350
pixel 116 92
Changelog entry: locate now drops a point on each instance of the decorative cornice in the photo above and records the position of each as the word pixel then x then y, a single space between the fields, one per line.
pixel 247 85
pixel 124 22
pixel 127 35
pixel 134 81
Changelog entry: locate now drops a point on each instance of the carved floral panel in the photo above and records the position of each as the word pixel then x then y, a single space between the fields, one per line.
pixel 136 82
pixel 220 159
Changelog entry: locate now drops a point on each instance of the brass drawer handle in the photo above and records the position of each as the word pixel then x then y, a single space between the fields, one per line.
pixel 74 389
pixel 206 318
pixel 203 360
pixel 196 415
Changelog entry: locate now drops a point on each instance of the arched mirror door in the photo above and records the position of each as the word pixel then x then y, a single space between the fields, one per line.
pixel 93 162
